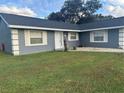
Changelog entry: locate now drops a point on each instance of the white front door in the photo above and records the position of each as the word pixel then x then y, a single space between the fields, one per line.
pixel 59 41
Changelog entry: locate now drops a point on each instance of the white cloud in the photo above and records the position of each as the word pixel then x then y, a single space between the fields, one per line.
pixel 114 7
pixel 116 11
pixel 116 2
pixel 15 10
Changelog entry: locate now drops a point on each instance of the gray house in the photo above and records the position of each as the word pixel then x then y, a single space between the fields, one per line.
pixel 24 35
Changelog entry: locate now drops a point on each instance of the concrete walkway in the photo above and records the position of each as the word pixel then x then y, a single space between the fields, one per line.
pixel 90 49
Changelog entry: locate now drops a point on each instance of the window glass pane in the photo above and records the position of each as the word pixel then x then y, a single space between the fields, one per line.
pixel 36 40
pixel 36 37
pixel 36 34
pixel 73 36
pixel 98 33
pixel 99 38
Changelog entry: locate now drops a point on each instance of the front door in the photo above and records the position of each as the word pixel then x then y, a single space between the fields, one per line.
pixel 59 41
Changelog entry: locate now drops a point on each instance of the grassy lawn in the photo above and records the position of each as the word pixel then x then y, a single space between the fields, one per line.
pixel 62 72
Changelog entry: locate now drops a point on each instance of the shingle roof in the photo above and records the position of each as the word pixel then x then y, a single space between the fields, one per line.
pixel 116 22
pixel 37 22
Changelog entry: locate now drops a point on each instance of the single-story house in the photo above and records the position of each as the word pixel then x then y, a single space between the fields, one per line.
pixel 24 35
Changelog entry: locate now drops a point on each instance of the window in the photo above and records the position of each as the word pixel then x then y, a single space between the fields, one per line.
pixel 99 36
pixel 73 36
pixel 33 38
pixel 36 37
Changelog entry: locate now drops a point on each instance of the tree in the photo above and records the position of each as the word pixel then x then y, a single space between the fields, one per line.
pixel 56 16
pixel 101 17
pixel 95 17
pixel 71 10
pixel 74 10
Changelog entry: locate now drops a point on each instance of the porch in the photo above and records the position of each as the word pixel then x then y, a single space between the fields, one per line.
pixel 93 49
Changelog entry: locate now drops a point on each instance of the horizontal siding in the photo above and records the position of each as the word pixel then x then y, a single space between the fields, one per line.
pixel 35 49
pixel 5 36
pixel 73 43
pixel 113 40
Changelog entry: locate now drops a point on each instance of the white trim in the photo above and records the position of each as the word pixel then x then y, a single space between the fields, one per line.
pixel 56 29
pixel 121 38
pixel 28 42
pixel 15 41
pixel 15 37
pixel 105 32
pixel 41 28
pixel 15 48
pixel 45 41
pixel 27 37
pixel 4 20
pixel 105 28
pixel 16 53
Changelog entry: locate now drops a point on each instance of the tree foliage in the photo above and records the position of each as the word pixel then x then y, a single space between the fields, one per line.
pixel 77 11
pixel 96 17
pixel 56 16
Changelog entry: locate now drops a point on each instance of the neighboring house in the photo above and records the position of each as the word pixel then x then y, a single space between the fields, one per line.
pixel 24 35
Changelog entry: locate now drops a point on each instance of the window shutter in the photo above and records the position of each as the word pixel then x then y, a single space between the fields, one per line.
pixel 77 37
pixel 91 37
pixel 69 35
pixel 45 41
pixel 106 36
pixel 27 37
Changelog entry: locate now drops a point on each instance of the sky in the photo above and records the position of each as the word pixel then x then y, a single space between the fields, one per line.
pixel 42 8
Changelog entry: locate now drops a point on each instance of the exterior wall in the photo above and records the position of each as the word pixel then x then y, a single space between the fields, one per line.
pixel 5 37
pixel 35 49
pixel 113 40
pixel 41 48
pixel 73 43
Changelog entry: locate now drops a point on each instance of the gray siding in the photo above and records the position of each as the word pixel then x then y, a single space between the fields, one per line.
pixel 41 48
pixel 35 49
pixel 113 40
pixel 5 36
pixel 73 43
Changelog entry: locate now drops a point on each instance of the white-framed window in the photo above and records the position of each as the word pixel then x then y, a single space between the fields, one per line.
pixel 73 36
pixel 99 36
pixel 34 37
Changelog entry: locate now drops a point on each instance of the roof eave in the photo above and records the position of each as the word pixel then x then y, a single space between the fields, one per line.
pixel 42 28
pixel 4 20
pixel 105 28
pixel 57 29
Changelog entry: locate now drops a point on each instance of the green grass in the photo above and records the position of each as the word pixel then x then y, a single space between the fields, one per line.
pixel 62 72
